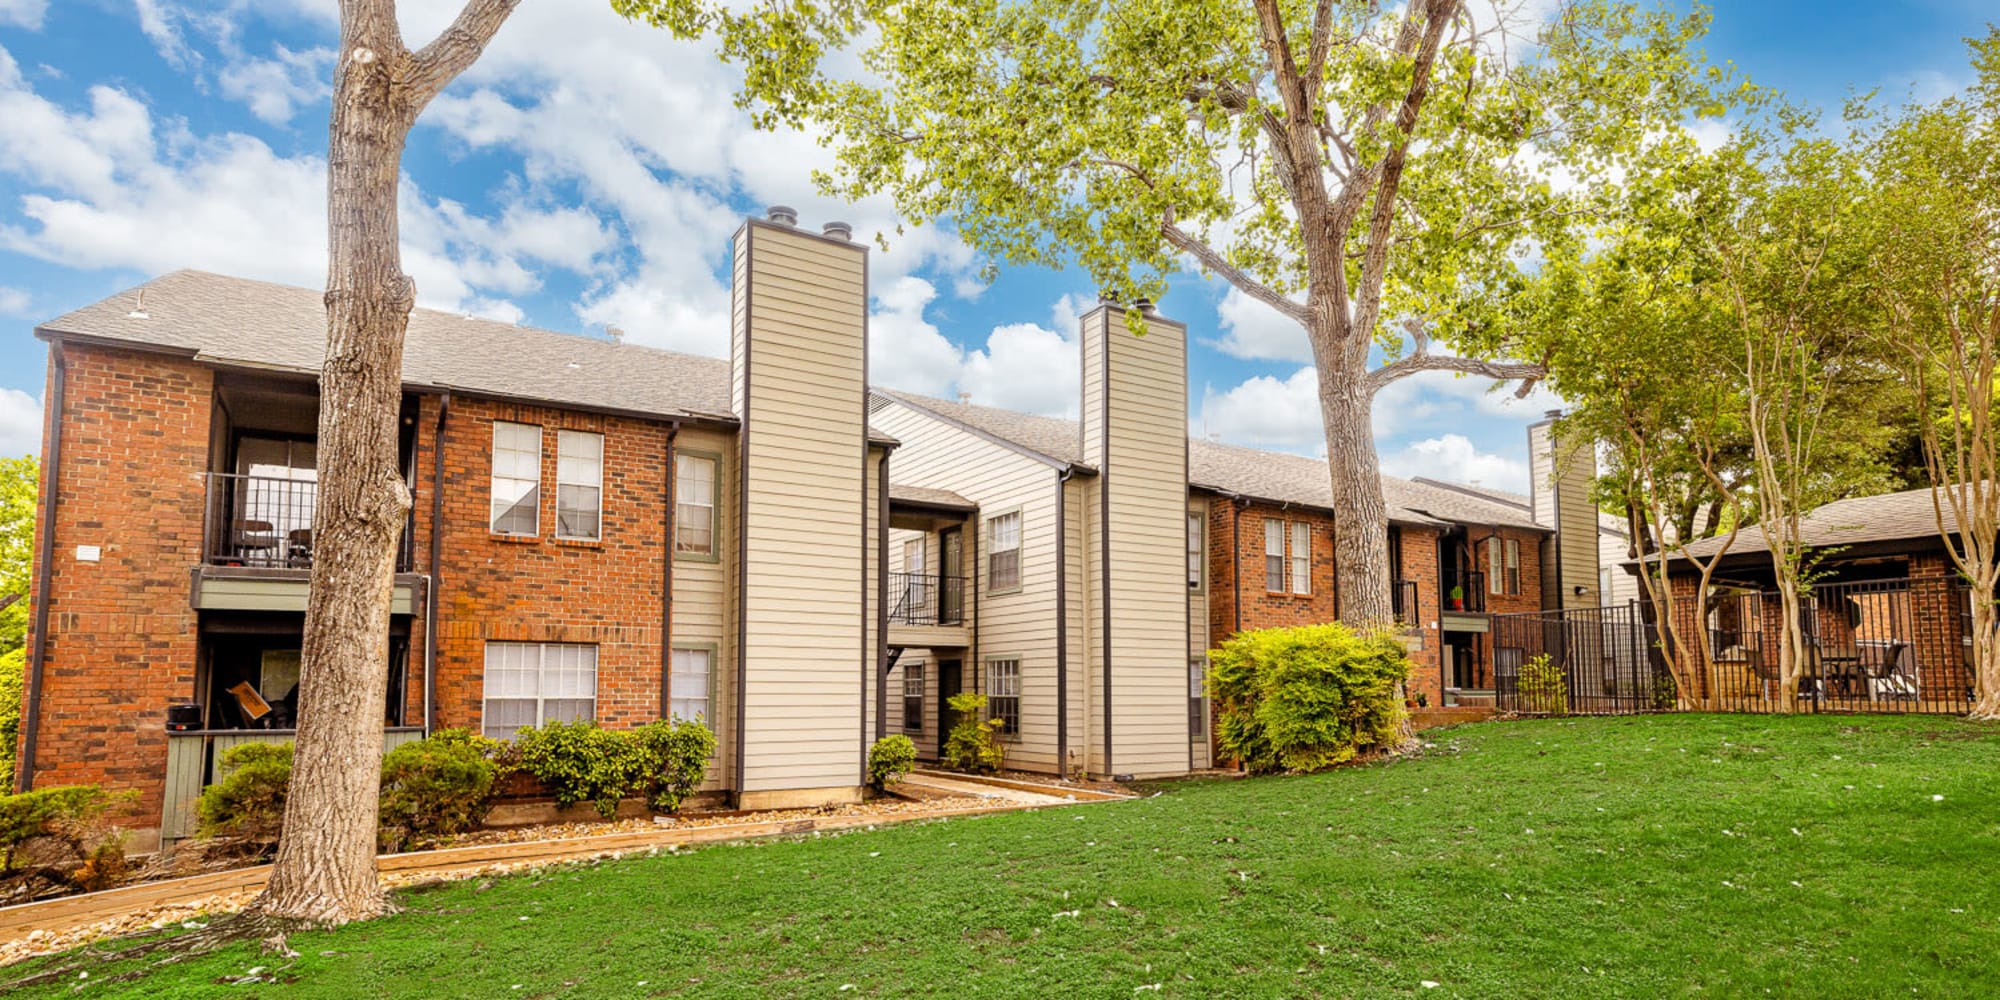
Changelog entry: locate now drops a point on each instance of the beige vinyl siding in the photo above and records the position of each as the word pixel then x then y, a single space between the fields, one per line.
pixel 1139 442
pixel 804 471
pixel 703 611
pixel 1019 622
pixel 1561 494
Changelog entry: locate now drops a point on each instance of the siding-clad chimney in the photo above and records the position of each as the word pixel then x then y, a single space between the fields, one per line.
pixel 798 383
pixel 1134 426
pixel 1563 471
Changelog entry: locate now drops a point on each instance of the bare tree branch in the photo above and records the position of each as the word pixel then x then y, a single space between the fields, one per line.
pixel 1420 359
pixel 455 50
pixel 1215 264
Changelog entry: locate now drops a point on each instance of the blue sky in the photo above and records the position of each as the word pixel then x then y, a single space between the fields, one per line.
pixel 588 174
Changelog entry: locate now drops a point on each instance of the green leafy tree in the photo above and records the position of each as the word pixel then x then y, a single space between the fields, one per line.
pixel 1385 176
pixel 18 478
pixel 1937 275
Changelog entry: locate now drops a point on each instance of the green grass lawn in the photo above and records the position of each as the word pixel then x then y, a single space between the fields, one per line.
pixel 1684 855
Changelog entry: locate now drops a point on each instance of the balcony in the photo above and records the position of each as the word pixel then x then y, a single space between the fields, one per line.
pixel 257 545
pixel 266 522
pixel 926 599
pixel 927 610
pixel 1464 592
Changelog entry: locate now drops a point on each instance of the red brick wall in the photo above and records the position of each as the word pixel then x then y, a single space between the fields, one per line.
pixel 1237 571
pixel 121 643
pixel 543 589
pixel 1530 597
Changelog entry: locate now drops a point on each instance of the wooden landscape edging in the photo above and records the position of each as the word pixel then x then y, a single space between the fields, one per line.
pixel 71 912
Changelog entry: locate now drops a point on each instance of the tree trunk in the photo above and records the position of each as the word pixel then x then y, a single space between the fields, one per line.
pixel 1792 652
pixel 1985 652
pixel 325 868
pixel 1360 516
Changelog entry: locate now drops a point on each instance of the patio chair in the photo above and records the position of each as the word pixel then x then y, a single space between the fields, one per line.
pixel 1893 672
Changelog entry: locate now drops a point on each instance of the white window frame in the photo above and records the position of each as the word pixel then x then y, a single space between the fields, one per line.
pixel 1197 549
pixel 541 666
pixel 498 507
pixel 1274 555
pixel 679 669
pixel 1513 550
pixel 994 583
pixel 913 691
pixel 1300 562
pixel 1197 697
pixel 1003 694
pixel 712 506
pixel 1496 574
pixel 580 473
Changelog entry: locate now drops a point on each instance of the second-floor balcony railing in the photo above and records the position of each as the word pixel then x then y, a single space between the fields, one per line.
pixel 926 599
pixel 1465 592
pixel 266 522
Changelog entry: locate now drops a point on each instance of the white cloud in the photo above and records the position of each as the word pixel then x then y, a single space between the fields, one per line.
pixel 20 424
pixel 1265 412
pixel 276 88
pixel 157 21
pixel 1453 458
pixel 13 301
pixel 1255 331
pixel 905 351
pixel 1028 367
pixel 111 187
pixel 23 13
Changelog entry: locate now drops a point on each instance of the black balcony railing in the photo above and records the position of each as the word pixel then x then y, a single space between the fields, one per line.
pixel 266 522
pixel 926 599
pixel 1465 592
pixel 1403 598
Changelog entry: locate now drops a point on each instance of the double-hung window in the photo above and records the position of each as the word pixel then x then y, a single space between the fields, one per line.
pixel 1514 566
pixel 1003 557
pixel 913 697
pixel 532 683
pixel 1496 577
pixel 1196 525
pixel 1274 555
pixel 1503 565
pixel 690 683
pixel 517 479
pixel 1287 556
pixel 579 485
pixel 1301 558
pixel 694 504
pixel 1003 694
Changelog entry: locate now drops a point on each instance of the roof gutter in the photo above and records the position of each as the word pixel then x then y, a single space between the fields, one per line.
pixel 31 724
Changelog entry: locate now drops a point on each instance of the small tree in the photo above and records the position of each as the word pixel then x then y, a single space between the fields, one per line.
pixel 1938 277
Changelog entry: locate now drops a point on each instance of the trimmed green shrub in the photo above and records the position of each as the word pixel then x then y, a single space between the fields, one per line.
pixel 970 745
pixel 13 672
pixel 1543 687
pixel 1305 698
pixel 248 804
pixel 674 760
pixel 580 762
pixel 70 815
pixel 434 788
pixel 890 759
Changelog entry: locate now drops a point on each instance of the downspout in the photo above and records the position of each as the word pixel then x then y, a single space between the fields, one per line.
pixel 434 585
pixel 31 727
pixel 667 577
pixel 882 602
pixel 1062 621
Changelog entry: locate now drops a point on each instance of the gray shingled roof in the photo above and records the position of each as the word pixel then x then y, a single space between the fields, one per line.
pixel 929 497
pixel 1228 469
pixel 236 321
pixel 1606 523
pixel 1887 517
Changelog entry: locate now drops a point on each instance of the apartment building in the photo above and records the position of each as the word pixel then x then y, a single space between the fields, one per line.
pixel 612 532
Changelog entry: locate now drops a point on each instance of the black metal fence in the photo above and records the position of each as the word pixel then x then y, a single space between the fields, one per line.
pixel 267 522
pixel 1901 645
pixel 926 599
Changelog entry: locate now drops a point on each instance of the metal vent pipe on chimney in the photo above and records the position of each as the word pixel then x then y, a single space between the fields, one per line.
pixel 784 215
